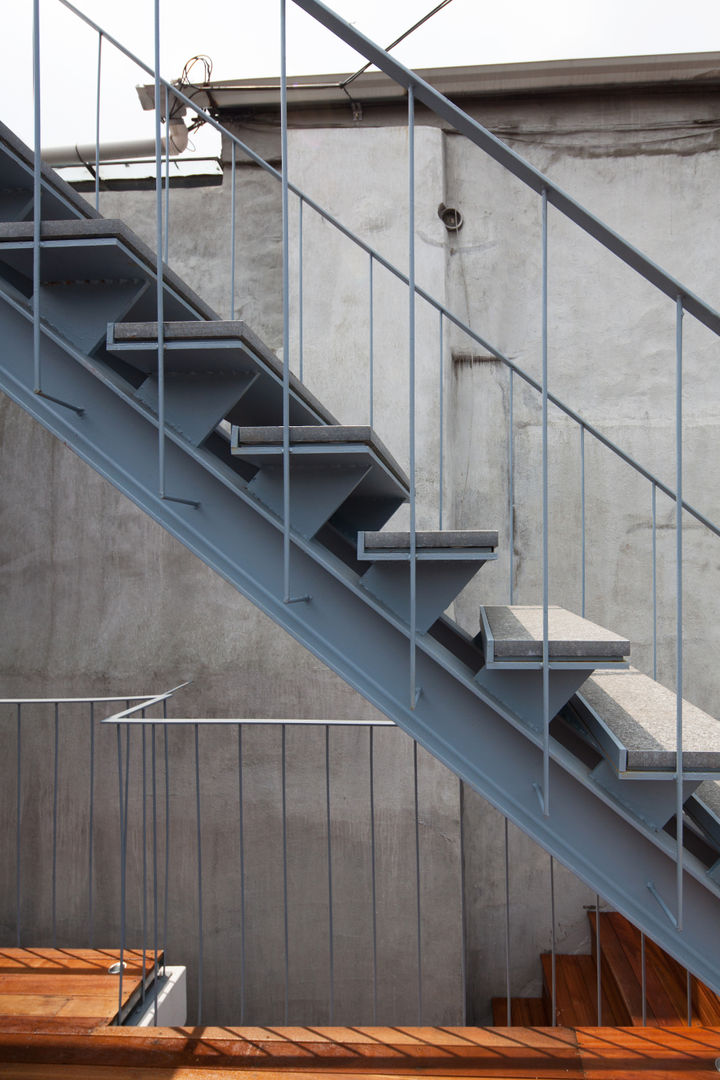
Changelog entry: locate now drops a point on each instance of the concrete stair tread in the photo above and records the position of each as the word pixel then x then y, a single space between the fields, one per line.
pixel 317 441
pixel 16 171
pixel 515 633
pixel 456 540
pixel 634 719
pixel 209 347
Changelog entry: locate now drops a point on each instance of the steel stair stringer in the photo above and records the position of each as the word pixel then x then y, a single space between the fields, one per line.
pixel 453 718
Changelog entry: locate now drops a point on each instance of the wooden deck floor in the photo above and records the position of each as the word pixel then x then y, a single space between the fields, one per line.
pixel 64 1042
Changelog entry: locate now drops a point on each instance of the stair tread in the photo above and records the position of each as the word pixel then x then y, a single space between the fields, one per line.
pixel 619 966
pixel 664 982
pixel 250 439
pixel 634 711
pixel 20 173
pixel 455 539
pixel 99 228
pixel 524 1012
pixel 517 634
pixel 576 992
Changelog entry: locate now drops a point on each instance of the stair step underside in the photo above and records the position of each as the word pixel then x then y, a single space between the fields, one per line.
pixel 344 475
pixel 512 642
pixel 215 349
pixel 445 563
pixel 633 718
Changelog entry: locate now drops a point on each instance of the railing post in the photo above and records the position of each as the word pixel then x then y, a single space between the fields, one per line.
pixel 160 297
pixel 679 605
pixel 300 289
pixel 582 518
pixel 441 419
pixel 553 946
pixel 511 484
pixel 508 999
pixel 91 908
pixel 97 124
pixel 545 560
pixel 233 170
pixel 37 197
pixel 18 829
pixel 371 391
pixel 199 875
pixel 411 390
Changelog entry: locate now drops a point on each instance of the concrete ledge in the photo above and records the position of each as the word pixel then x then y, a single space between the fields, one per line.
pixel 517 634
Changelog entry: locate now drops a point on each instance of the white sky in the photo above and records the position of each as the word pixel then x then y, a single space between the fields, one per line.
pixel 242 38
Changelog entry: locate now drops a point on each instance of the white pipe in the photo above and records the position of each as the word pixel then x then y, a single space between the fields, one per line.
pixel 117 151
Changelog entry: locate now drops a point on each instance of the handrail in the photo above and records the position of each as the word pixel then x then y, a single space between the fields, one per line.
pixel 677 288
pixel 514 163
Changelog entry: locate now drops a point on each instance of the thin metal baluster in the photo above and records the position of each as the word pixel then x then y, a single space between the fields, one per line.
pixel 242 874
pixel 155 873
pixel 159 291
pixel 167 837
pixel 511 484
pixel 18 827
pixel 582 510
pixel 546 629
pixel 441 433
pixel 411 389
pixel 654 577
pixel 688 991
pixel 372 341
pixel 199 873
pixel 232 230
pixel 54 826
pixel 91 907
pixel 97 124
pixel 286 306
pixel 553 980
pixel 508 1001
pixel 463 904
pixel 37 199
pixel 417 884
pixel 643 979
pixel 679 609
pixel 123 854
pixel 285 873
pixel 331 943
pixel 166 228
pixel 144 860
pixel 300 286
pixel 373 873
pixel 598 964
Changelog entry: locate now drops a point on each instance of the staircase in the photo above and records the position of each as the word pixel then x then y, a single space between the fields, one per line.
pixel 476 702
pixel 666 1002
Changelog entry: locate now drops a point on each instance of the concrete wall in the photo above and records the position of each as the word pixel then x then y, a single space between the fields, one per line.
pixel 99 599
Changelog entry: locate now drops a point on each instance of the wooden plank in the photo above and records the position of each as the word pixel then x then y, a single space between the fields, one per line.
pixel 660 1008
pixel 654 1053
pixel 706 1003
pixel 524 1012
pixel 617 968
pixel 77 961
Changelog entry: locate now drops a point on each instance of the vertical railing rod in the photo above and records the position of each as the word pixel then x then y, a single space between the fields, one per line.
pixel 166 227
pixel 241 825
pixel 508 1000
pixel 18 828
pixel 286 930
pixel 654 577
pixel 232 230
pixel 155 871
pixel 545 559
pixel 411 389
pixel 97 123
pixel 91 816
pixel 679 606
pixel 160 298
pixel 123 784
pixel 55 825
pixel 643 979
pixel 37 199
pixel 331 936
pixel 553 943
pixel 199 875
pixel 441 420
pixel 511 483
pixel 143 748
pixel 598 960
pixel 372 340
pixel 582 514
pixel 300 287
pixel 286 305
pixel 167 835
pixel 688 996
pixel 463 905
pixel 373 875
pixel 418 903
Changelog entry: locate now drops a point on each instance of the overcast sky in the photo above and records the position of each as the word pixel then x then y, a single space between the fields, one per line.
pixel 242 38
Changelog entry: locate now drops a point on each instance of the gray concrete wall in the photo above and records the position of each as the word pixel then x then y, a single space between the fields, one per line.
pixel 98 598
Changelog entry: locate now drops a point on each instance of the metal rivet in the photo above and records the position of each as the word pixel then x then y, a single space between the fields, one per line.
pixel 115 969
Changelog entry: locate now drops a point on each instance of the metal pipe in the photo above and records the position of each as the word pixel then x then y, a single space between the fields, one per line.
pixel 160 291
pixel 582 511
pixel 199 875
pixel 233 171
pixel 553 969
pixel 241 826
pixel 97 125
pixel 508 1000
pixel 598 960
pixel 441 432
pixel 286 307
pixel 411 392
pixel 18 827
pixel 463 904
pixel 372 341
pixel 373 876
pixel 331 942
pixel 95 154
pixel 56 757
pixel 654 577
pixel 679 608
pixel 300 287
pixel 37 198
pixel 286 929
pixel 155 873
pixel 643 979
pixel 168 135
pixel 545 556
pixel 417 887
pixel 91 909
pixel 511 484
pixel 167 839
pixel 143 758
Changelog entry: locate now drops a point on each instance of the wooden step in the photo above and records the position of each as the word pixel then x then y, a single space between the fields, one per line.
pixel 576 993
pixel 524 1012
